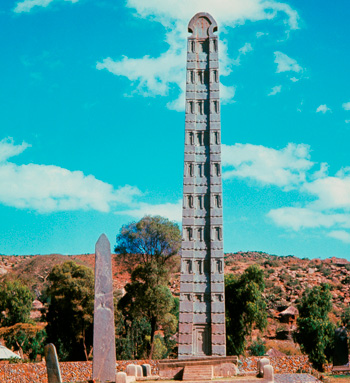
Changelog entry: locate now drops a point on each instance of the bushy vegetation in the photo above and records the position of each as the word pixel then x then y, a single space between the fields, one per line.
pixel 315 332
pixel 245 308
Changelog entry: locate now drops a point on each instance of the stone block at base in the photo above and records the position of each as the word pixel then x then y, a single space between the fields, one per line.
pixel 139 372
pixel 131 370
pixel 261 363
pixel 121 377
pixel 268 373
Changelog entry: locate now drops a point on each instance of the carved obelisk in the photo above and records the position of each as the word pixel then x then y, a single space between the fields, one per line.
pixel 202 299
pixel 104 358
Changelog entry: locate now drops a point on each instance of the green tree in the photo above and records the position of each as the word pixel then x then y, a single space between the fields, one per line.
pixel 27 338
pixel 257 348
pixel 345 318
pixel 315 331
pixel 15 303
pixel 245 308
pixel 148 247
pixel 152 240
pixel 70 313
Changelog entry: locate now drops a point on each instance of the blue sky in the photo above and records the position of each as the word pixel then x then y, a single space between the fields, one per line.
pixel 92 121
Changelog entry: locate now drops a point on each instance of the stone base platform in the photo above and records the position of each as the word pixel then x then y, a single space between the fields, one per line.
pixel 222 367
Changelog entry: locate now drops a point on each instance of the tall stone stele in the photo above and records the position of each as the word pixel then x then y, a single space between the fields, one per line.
pixel 104 362
pixel 202 300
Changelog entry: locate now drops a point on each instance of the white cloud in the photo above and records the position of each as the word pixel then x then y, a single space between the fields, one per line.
pixel 284 168
pixel 172 211
pixel 331 192
pixel 286 64
pixel 276 89
pixel 260 34
pixel 294 79
pixel 342 235
pixel 247 47
pixel 155 76
pixel 346 106
pixel 299 218
pixel 323 109
pixel 324 200
pixel 50 188
pixel 347 121
pixel 8 149
pixel 27 5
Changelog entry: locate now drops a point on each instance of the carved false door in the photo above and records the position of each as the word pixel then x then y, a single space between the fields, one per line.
pixel 202 340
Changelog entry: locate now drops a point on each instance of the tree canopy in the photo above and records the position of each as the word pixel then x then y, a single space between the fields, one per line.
pixel 152 240
pixel 315 332
pixel 70 313
pixel 150 245
pixel 15 303
pixel 245 308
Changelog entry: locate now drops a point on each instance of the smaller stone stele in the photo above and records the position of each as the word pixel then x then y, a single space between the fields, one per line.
pixel 104 362
pixel 261 363
pixel 268 373
pixel 131 370
pixel 146 369
pixel 52 365
pixel 139 371
pixel 121 377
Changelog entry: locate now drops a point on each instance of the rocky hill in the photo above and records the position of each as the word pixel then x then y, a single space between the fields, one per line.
pixel 286 278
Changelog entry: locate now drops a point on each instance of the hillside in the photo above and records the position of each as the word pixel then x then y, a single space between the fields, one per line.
pixel 286 278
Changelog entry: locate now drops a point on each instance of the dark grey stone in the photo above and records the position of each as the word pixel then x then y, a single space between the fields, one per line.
pixel 341 352
pixel 52 365
pixel 104 358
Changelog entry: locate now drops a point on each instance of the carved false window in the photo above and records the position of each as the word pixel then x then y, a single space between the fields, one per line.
pixel 215 106
pixel 199 201
pixel 219 267
pixel 217 200
pixel 189 233
pixel 190 107
pixel 190 201
pixel 190 138
pixel 216 169
pixel 201 77
pixel 200 138
pixel 215 45
pixel 199 264
pixel 192 46
pixel 200 233
pixel 200 105
pixel 188 266
pixel 216 138
pixel 189 297
pixel 190 169
pixel 191 77
pixel 215 76
pixel 217 234
pixel 200 170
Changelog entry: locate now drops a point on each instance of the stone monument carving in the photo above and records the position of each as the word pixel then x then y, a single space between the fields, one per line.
pixel 52 365
pixel 104 362
pixel 202 300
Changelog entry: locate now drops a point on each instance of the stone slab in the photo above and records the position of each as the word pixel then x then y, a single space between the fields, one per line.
pixel 52 365
pixel 104 356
